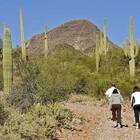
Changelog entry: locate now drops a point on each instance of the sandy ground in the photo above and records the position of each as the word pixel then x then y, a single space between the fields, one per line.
pixel 96 124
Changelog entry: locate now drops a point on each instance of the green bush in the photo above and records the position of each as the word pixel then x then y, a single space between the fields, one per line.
pixel 68 71
pixel 21 96
pixel 1 78
pixel 57 81
pixel 3 114
pixel 113 63
pixel 40 122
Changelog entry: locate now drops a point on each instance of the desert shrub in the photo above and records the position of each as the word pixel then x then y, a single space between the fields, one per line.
pixel 49 80
pixel 53 83
pixel 81 74
pixel 42 81
pixel 59 114
pixel 3 114
pixel 113 62
pixel 79 98
pixel 68 71
pixel 87 62
pixel 66 53
pixel 57 81
pixel 21 96
pixel 98 84
pixel 40 122
pixel 3 110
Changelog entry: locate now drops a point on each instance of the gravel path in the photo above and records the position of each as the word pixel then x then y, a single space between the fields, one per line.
pixel 103 129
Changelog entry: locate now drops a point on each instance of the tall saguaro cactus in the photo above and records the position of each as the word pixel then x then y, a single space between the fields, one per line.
pixel 103 41
pixel 101 46
pixel 7 61
pixel 97 53
pixel 131 51
pixel 23 47
pixel 46 50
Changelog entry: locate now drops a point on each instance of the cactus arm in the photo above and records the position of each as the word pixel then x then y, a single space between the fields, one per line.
pixel 137 49
pixel 27 45
pixel 125 49
pixel 101 43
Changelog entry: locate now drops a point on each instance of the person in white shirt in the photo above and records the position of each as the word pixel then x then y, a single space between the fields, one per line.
pixel 109 92
pixel 135 104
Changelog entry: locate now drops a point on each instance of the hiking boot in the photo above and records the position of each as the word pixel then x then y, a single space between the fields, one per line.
pixel 137 125
pixel 119 125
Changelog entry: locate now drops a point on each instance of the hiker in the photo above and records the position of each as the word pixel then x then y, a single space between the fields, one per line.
pixel 135 104
pixel 115 102
pixel 109 92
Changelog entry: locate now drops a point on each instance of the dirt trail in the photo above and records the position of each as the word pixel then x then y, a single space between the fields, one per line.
pixel 99 126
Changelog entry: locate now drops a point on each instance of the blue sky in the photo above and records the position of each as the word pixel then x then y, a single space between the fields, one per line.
pixel 37 13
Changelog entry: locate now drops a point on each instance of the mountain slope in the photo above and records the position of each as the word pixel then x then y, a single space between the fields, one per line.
pixel 81 34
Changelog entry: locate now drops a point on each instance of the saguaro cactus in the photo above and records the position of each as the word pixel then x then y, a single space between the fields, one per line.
pixel 131 51
pixel 46 50
pixel 103 41
pixel 101 46
pixel 23 46
pixel 7 61
pixel 97 53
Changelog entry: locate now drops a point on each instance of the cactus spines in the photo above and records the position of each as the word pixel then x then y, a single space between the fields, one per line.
pixel 46 50
pixel 131 51
pixel 7 61
pixel 23 47
pixel 97 53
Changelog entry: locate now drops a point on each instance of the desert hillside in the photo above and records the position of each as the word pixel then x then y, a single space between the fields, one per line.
pixel 80 34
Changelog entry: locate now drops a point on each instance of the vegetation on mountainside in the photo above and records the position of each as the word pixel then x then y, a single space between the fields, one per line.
pixel 32 108
pixel 41 82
